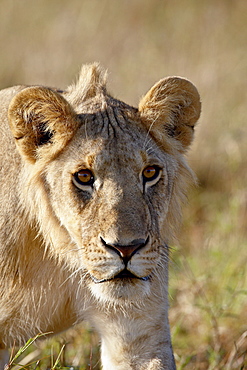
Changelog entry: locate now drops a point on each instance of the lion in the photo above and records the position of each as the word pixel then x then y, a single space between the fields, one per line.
pixel 91 196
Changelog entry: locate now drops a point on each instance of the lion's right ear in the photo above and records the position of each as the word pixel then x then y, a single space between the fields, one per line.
pixel 42 122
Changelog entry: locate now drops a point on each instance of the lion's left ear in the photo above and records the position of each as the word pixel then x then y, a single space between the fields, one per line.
pixel 42 122
pixel 170 109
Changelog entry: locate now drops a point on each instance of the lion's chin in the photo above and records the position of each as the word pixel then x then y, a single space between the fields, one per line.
pixel 123 287
pixel 123 276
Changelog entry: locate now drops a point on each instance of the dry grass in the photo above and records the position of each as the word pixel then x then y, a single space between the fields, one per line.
pixel 45 42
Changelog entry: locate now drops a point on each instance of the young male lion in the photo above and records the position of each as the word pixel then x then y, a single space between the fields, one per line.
pixel 91 190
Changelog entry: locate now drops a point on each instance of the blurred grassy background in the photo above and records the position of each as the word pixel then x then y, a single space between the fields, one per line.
pixel 139 42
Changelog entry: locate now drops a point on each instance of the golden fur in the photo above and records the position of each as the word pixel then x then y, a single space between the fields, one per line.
pixel 65 243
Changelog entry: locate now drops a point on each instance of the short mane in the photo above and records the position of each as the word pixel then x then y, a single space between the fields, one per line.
pixel 91 82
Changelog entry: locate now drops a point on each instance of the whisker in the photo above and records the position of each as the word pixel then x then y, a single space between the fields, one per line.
pixel 149 129
pixel 71 276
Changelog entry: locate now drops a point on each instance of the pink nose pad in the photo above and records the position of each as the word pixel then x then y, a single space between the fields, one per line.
pixel 126 251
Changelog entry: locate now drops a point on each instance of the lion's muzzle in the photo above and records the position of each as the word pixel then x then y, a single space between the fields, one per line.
pixel 124 252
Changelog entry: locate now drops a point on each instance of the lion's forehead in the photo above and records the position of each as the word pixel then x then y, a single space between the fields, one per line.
pixel 112 122
pixel 113 137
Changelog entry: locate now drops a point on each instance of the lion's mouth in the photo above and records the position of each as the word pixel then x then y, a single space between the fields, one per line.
pixel 123 275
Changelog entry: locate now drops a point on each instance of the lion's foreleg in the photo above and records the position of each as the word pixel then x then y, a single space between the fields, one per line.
pixel 136 343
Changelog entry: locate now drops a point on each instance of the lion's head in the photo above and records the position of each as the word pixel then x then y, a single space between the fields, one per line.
pixel 106 180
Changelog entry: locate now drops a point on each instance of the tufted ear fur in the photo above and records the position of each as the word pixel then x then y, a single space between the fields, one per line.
pixel 170 109
pixel 42 122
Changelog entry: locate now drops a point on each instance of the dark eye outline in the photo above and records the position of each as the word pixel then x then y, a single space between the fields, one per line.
pixel 154 177
pixel 81 184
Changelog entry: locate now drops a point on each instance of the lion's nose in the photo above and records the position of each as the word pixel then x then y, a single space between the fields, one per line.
pixel 126 251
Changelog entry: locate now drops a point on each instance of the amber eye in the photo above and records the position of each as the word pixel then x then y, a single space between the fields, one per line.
pixel 83 177
pixel 151 173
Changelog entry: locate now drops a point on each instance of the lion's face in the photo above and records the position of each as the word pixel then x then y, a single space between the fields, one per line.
pixel 111 189
pixel 106 180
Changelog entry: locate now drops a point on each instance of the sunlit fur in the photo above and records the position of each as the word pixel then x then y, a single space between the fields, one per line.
pixel 54 268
